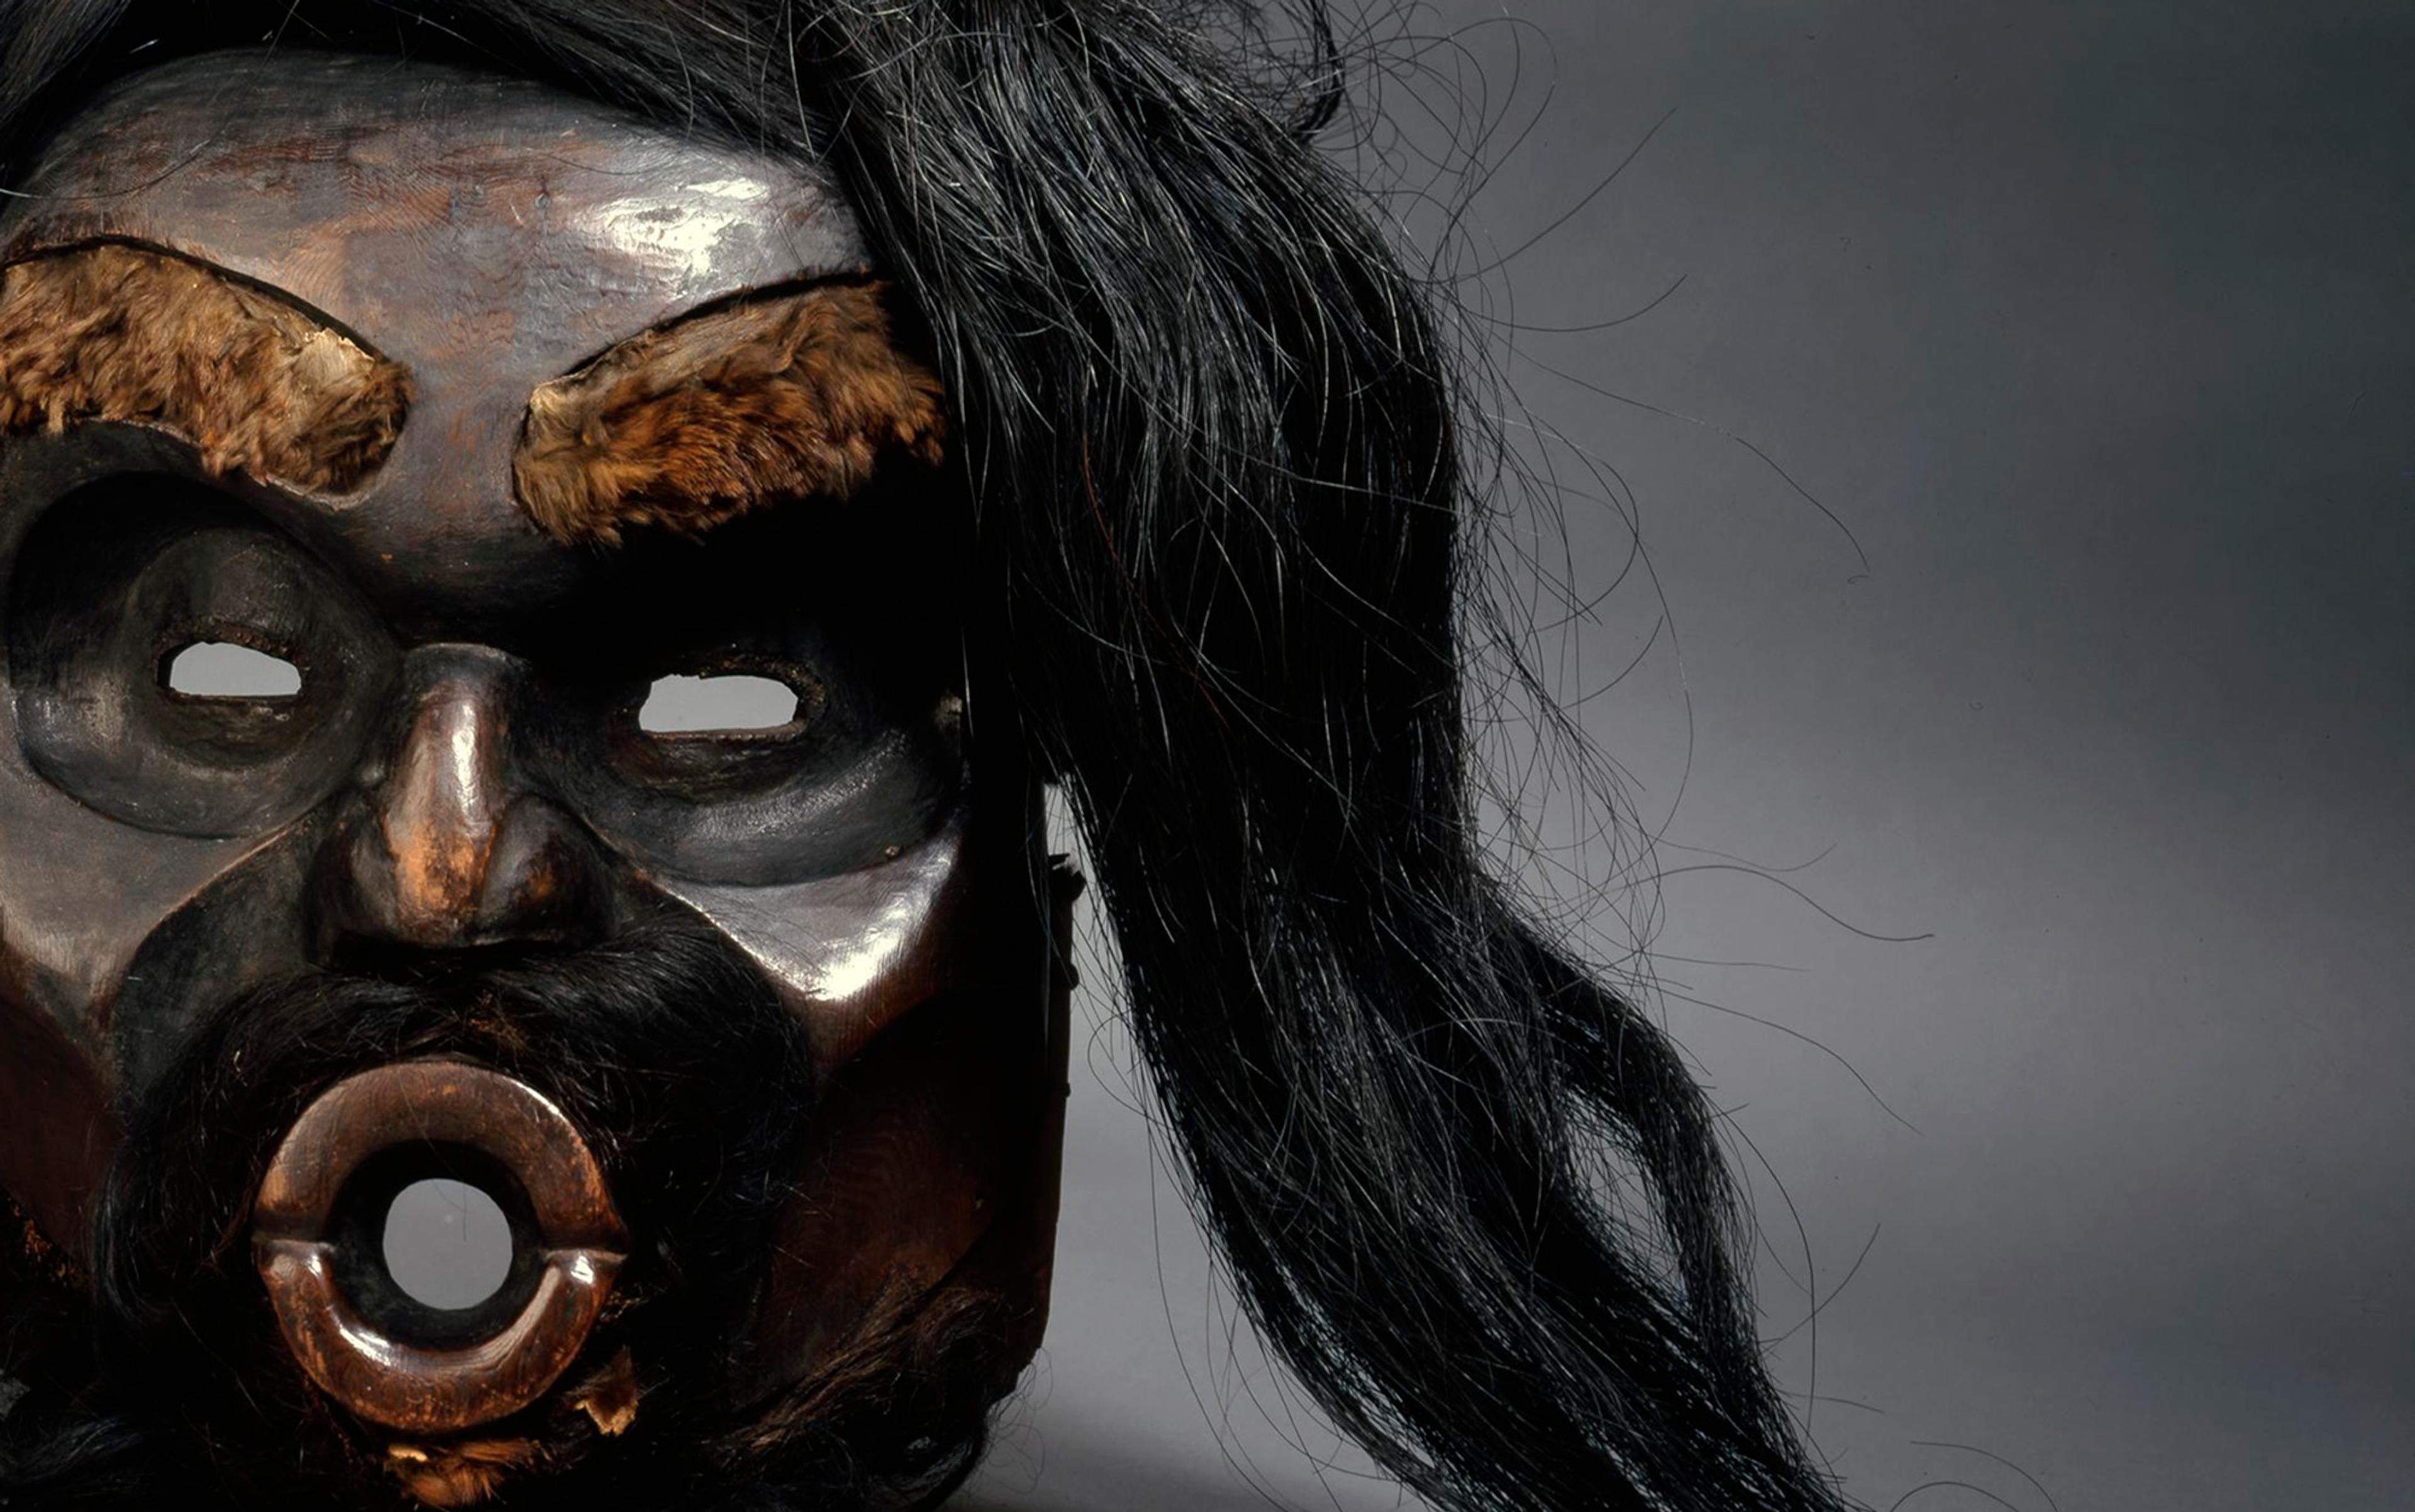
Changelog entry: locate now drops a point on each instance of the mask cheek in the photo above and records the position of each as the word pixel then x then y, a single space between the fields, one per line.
pixel 246 926
pixel 113 941
pixel 852 954
pixel 56 1134
pixel 938 1018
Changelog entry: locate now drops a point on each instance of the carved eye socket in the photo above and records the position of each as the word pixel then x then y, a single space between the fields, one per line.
pixel 222 670
pixel 733 704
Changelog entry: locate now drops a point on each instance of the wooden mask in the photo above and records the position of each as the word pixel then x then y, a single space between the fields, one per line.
pixel 463 414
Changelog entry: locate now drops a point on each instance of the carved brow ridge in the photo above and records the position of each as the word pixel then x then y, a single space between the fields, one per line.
pixel 255 382
pixel 725 411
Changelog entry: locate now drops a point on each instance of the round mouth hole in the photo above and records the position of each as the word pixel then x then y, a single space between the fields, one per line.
pixel 448 1244
pixel 436 1245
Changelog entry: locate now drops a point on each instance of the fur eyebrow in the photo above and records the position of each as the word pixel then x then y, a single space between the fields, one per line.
pixel 723 413
pixel 258 384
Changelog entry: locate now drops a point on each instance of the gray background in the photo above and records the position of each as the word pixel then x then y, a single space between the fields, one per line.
pixel 2093 323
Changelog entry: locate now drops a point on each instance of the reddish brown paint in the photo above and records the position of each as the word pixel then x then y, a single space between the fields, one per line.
pixel 57 1130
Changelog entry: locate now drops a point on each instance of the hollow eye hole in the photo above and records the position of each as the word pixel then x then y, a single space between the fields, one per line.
pixel 735 704
pixel 205 669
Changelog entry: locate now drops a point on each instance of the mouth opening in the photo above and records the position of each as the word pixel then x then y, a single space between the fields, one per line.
pixel 435 1245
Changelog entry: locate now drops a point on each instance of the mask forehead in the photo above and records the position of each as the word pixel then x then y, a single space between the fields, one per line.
pixel 361 184
pixel 486 233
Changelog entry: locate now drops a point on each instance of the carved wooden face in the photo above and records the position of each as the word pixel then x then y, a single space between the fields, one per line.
pixel 295 354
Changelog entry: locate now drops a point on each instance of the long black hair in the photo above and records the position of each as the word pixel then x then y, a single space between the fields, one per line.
pixel 1226 530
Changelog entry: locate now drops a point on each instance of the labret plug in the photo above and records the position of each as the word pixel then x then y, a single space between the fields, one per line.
pixel 319 1217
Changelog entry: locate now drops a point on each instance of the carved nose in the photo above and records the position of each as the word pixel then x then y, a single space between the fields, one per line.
pixel 444 804
pixel 450 849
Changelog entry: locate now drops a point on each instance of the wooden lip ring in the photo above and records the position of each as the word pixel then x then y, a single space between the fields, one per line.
pixel 435 1103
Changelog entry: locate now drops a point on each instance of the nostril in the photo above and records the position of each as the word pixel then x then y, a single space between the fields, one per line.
pixel 546 877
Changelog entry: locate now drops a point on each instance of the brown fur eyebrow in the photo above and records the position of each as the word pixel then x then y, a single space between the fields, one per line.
pixel 257 384
pixel 723 413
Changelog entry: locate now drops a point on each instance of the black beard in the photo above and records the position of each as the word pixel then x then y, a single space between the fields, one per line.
pixel 168 1386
